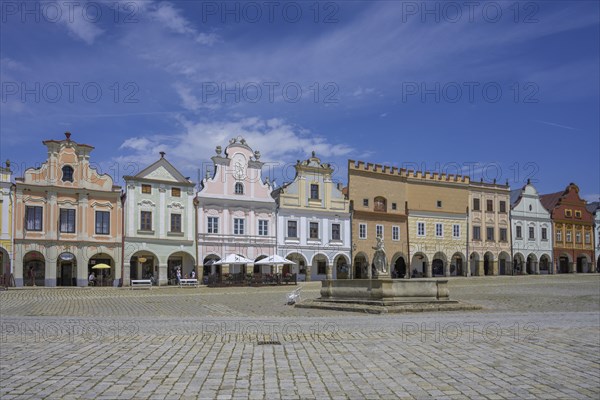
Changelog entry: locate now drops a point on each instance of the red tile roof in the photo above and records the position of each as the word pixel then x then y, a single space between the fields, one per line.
pixel 550 200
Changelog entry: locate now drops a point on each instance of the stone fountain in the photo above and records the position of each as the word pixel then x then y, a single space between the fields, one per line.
pixel 381 294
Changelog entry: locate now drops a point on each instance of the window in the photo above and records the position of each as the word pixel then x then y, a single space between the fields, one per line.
pixel 439 204
pixel 490 205
pixel 577 237
pixel 559 236
pixel 544 233
pixel 33 215
pixel 394 206
pixel 519 232
pixel 503 235
pixel 439 230
pixel 568 213
pixel 366 202
pixel 103 222
pixel 175 222
pixel 146 221
pixel 146 189
pixel 175 192
pixel 476 205
pixel 292 229
pixel 67 220
pixel 531 233
pixel 502 206
pixel 362 231
pixel 239 188
pixel 238 226
pixel 313 229
pixel 213 225
pixel 335 232
pixel 588 238
pixel 490 234
pixel 67 173
pixel 455 231
pixel 476 233
pixel 314 191
pixel 395 233
pixel 379 231
pixel 420 228
pixel 577 214
pixel 263 227
pixel 380 204
pixel 321 267
pixel 569 238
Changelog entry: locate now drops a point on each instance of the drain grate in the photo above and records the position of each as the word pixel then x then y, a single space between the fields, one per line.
pixel 264 342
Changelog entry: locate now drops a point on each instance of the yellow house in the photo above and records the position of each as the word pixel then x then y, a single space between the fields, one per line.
pixel 6 221
pixel 437 223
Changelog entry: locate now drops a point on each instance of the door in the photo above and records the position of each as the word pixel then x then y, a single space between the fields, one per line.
pixel 66 274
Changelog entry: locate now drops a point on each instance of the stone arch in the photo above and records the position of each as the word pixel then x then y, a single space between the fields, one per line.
pixel 419 265
pixel 518 263
pixel 264 269
pixel 545 265
pixel 457 264
pixel 399 266
pixel 104 277
pixel 531 264
pixel 360 266
pixel 565 263
pixel 208 267
pixel 488 263
pixel 583 263
pixel 66 269
pixel 34 269
pixel 144 264
pixel 439 264
pixel 4 262
pixel 182 258
pixel 341 266
pixel 474 261
pixel 301 263
pixel 504 264
pixel 320 266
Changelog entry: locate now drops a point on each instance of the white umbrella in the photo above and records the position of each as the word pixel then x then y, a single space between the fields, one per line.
pixel 274 260
pixel 234 259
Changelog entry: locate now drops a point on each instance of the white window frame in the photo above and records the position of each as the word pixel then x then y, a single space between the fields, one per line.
pixel 242 225
pixel 378 228
pixel 396 233
pixel 421 223
pixel 338 224
pixel 456 231
pixel 362 227
pixel 287 229
pixel 208 225
pixel 441 233
pixel 266 227
pixel 318 230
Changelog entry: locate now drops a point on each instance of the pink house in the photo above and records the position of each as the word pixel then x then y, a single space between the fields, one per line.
pixel 236 213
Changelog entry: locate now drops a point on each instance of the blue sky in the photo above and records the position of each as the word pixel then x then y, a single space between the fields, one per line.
pixel 502 90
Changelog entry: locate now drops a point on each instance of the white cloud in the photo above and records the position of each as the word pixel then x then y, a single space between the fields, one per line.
pixel 81 23
pixel 278 141
pixel 170 17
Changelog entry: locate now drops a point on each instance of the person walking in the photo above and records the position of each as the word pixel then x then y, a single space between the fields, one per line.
pixel 178 276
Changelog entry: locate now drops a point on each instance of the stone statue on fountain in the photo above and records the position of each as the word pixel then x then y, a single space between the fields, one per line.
pixel 380 259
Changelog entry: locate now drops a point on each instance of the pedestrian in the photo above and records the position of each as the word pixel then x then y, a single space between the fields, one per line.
pixel 92 279
pixel 32 275
pixel 178 276
pixel 193 274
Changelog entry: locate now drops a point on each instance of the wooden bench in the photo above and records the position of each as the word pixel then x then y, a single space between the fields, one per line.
pixel 293 297
pixel 188 282
pixel 141 283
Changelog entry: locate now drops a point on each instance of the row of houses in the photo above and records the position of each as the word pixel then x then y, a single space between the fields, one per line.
pixel 60 220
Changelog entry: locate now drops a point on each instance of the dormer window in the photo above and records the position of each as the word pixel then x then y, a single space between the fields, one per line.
pixel 67 173
pixel 380 204
pixel 239 188
pixel 314 191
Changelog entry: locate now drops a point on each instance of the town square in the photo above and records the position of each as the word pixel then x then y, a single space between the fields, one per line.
pixel 536 337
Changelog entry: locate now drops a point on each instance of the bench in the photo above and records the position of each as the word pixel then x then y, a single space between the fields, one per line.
pixel 141 283
pixel 293 297
pixel 188 282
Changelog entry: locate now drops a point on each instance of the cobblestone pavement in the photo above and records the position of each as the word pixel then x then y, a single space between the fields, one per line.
pixel 538 337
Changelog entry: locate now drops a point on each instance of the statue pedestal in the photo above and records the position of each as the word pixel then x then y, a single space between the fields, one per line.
pixel 386 295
